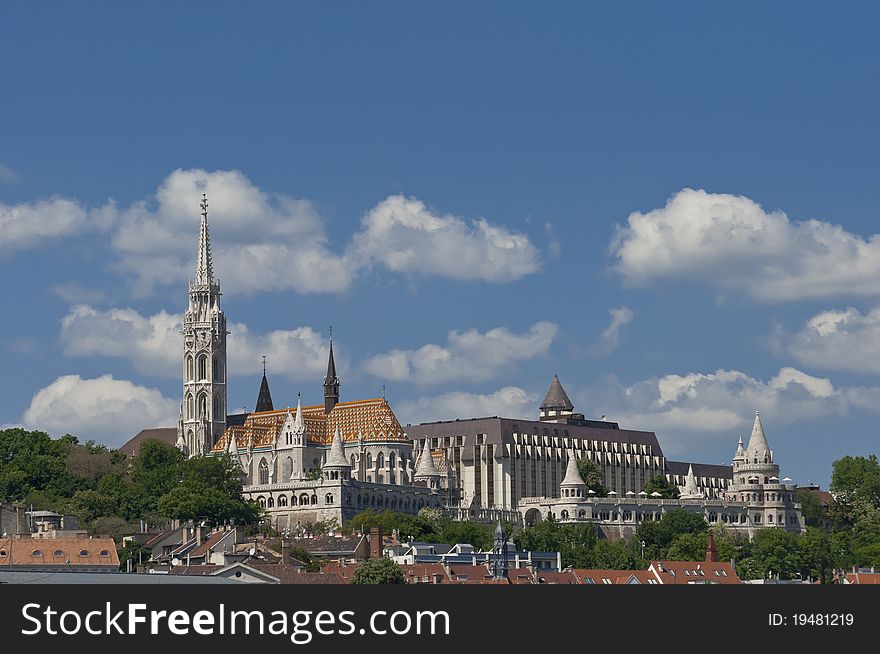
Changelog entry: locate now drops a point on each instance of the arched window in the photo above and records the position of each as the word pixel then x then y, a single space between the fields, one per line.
pixel 391 460
pixel 314 499
pixel 203 405
pixel 217 410
pixel 262 501
pixel 264 472
pixel 380 461
pixel 190 407
pixel 216 369
pixel 293 500
pixel 203 366
pixel 270 503
pixel 369 460
pixel 189 368
pixel 352 462
pixel 286 469
pixel 282 500
pixel 328 499
pixel 304 500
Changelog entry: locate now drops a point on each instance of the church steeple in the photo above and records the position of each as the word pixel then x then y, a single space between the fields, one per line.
pixel 331 381
pixel 204 354
pixel 204 264
pixel 264 399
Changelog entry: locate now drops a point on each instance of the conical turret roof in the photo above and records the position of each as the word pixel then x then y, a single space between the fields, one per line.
pixel 426 463
pixel 264 398
pixel 556 397
pixel 572 474
pixel 336 456
pixel 758 442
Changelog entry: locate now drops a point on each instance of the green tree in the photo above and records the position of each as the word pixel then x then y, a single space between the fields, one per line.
pixel 817 557
pixel 379 571
pixel 659 535
pixel 811 507
pixel 576 542
pixel 591 473
pixel 776 552
pixel 855 481
pixel 660 484
pixel 208 489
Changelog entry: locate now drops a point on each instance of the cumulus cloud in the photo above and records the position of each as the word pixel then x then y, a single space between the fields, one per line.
pixel 731 242
pixel 838 340
pixel 260 241
pixel 265 241
pixel 153 343
pixel 28 224
pixel 510 401
pixel 469 355
pixel 404 236
pixel 722 404
pixel 610 337
pixel 105 409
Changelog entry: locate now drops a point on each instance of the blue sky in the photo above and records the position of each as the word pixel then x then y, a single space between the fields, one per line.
pixel 671 205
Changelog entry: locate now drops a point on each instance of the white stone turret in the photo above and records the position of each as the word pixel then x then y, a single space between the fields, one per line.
pixel 336 466
pixel 690 490
pixel 426 470
pixel 572 484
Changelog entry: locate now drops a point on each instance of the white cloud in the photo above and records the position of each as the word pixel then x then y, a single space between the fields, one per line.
pixel 265 241
pixel 403 235
pixel 838 340
pixel 469 355
pixel 721 405
pixel 610 337
pixel 260 241
pixel 105 409
pixel 510 401
pixel 8 176
pixel 28 224
pixel 153 343
pixel 729 241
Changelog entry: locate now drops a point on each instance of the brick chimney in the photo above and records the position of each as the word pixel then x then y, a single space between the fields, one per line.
pixel 285 550
pixel 375 539
pixel 711 549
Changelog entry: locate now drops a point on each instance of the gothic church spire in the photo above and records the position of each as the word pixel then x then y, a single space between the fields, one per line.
pixel 331 381
pixel 204 264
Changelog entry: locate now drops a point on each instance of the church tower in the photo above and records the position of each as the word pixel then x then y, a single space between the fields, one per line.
pixel 204 354
pixel 331 381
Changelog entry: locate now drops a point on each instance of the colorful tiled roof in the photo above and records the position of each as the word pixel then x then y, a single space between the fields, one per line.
pixel 372 419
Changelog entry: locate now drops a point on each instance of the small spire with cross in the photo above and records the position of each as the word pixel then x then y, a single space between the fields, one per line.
pixel 205 205
pixel 264 365
pixel 383 391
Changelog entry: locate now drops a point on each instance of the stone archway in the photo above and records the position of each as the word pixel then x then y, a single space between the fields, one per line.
pixel 532 517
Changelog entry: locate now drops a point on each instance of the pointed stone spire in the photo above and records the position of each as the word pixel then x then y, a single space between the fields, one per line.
pixel 690 490
pixel 331 381
pixel 299 424
pixel 572 477
pixel 264 398
pixel 556 398
pixel 336 456
pixel 204 264
pixel 758 441
pixel 426 466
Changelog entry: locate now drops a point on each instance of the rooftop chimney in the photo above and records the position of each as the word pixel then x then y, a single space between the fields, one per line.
pixel 285 550
pixel 711 550
pixel 375 539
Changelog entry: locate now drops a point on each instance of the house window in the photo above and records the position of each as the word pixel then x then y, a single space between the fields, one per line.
pixel 264 472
